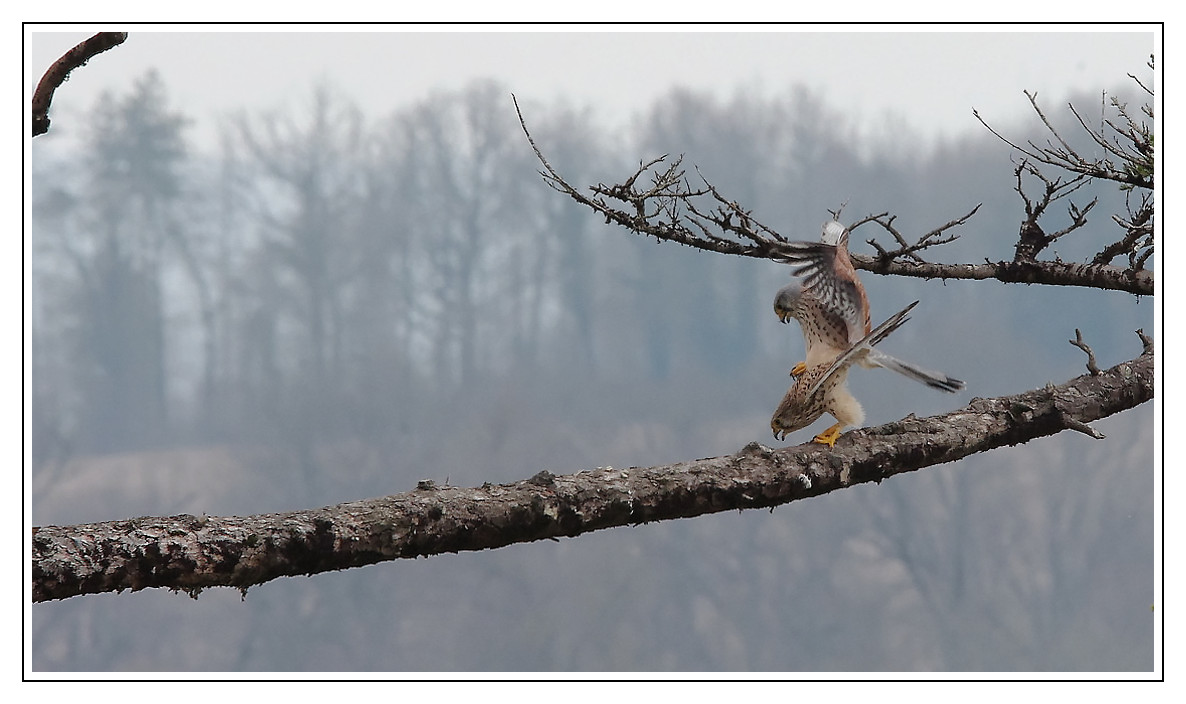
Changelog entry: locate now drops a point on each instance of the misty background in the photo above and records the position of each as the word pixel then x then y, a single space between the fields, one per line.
pixel 324 304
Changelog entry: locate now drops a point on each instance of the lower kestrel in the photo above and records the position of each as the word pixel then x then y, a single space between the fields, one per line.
pixel 821 388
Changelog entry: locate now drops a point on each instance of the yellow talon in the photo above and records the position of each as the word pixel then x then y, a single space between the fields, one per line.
pixel 829 436
pixel 798 369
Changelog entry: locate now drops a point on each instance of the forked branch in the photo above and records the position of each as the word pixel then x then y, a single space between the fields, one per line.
pixel 1124 145
pixel 1032 238
pixel 905 249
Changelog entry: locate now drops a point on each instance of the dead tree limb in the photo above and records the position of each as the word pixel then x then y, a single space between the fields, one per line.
pixel 190 554
pixel 57 74
pixel 1032 239
pixel 669 209
pixel 1123 154
pixel 906 249
pixel 1078 342
pixel 1052 273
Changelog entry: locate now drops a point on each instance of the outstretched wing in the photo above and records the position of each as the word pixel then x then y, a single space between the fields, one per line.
pixel 829 277
pixel 825 334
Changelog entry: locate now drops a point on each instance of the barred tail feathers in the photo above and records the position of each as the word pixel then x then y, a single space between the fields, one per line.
pixel 935 380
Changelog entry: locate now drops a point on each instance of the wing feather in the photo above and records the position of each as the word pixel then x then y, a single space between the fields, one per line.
pixel 829 276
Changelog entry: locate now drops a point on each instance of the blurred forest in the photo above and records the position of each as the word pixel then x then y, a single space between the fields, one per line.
pixel 333 306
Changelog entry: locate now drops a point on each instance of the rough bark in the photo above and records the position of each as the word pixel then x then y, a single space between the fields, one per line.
pixel 190 553
pixel 60 70
pixel 1053 273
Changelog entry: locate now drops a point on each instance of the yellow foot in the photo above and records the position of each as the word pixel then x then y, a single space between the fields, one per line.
pixel 798 369
pixel 829 436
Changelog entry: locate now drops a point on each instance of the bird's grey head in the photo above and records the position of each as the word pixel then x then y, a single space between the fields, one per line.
pixel 787 299
pixel 833 231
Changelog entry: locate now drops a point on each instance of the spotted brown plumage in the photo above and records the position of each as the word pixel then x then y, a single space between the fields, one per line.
pixel 799 410
pixel 833 309
pixel 821 388
pixel 825 332
pixel 829 275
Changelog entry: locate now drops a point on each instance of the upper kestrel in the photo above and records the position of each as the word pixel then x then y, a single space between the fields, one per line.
pixel 833 310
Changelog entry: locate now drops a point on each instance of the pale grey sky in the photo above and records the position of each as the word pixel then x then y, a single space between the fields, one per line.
pixel 931 78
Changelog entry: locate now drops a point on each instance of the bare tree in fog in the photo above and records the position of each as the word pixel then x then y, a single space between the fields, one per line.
pixel 117 230
pixel 307 193
pixel 456 204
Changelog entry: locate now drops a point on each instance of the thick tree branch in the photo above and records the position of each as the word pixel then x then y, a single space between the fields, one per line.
pixel 60 71
pixel 1053 273
pixel 190 554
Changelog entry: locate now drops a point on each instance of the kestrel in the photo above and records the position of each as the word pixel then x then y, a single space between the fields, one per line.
pixel 821 388
pixel 833 310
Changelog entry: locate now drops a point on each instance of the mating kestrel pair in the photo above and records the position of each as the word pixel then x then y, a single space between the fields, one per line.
pixel 833 311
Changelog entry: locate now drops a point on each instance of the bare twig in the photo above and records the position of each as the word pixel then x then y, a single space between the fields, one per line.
pixel 1146 341
pixel 905 249
pixel 868 218
pixel 1078 342
pixel 1147 89
pixel 747 226
pixel 1126 145
pixel 739 232
pixel 1032 239
pixel 1081 427
pixel 60 71
pixel 1135 167
pixel 1137 242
